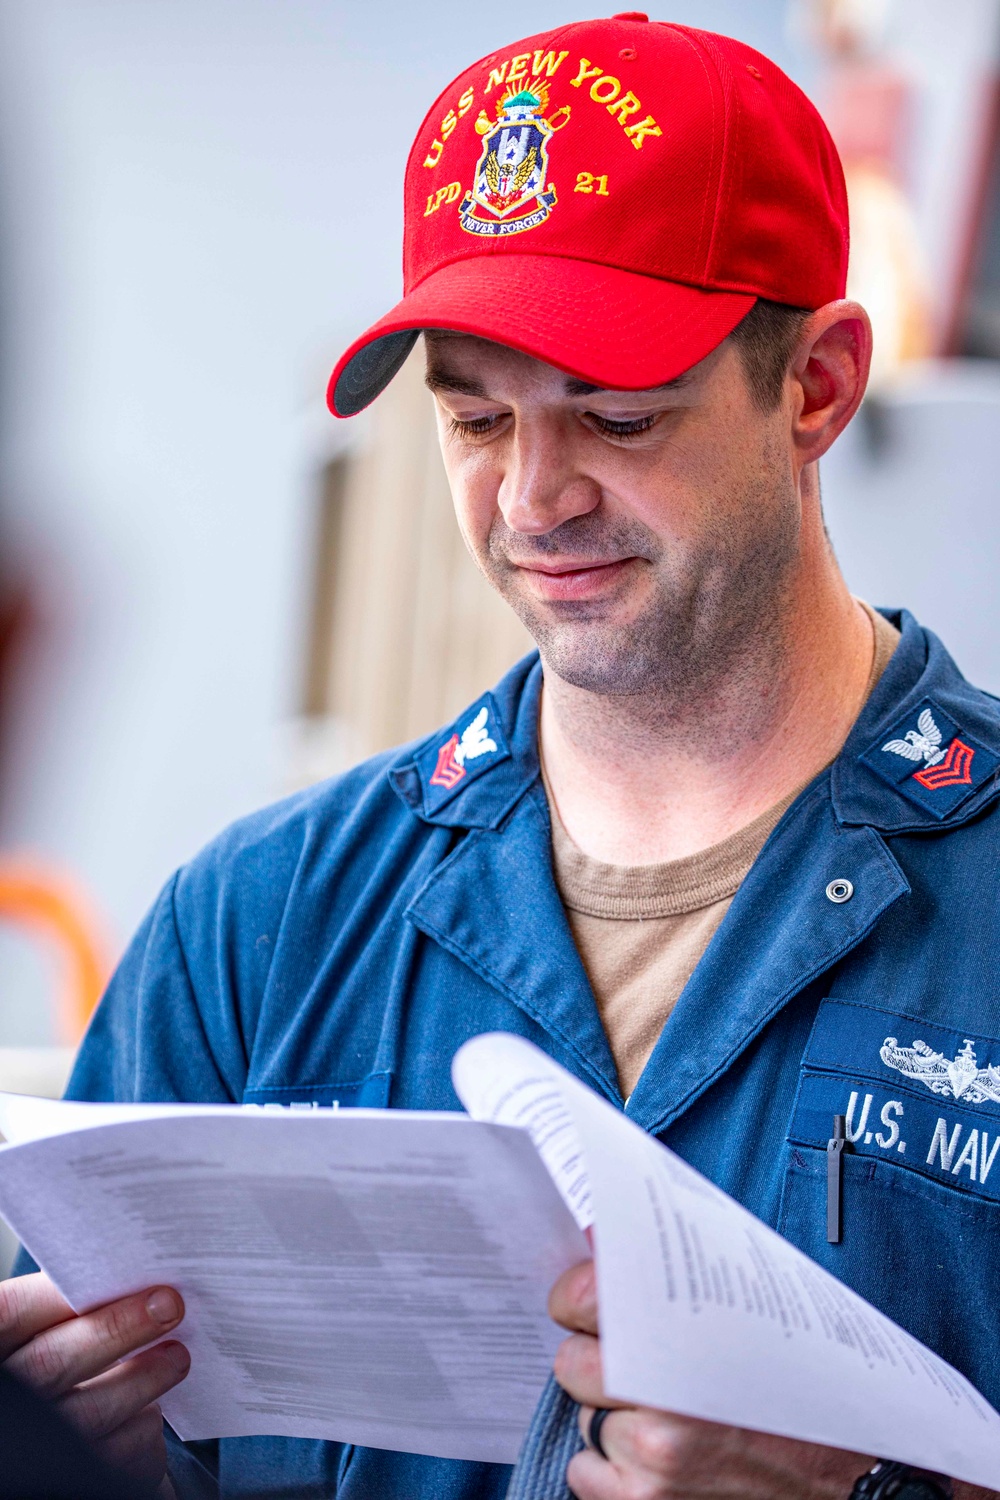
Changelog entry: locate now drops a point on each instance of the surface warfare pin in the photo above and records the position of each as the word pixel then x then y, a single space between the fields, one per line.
pixel 931 759
pixel 959 1077
pixel 511 171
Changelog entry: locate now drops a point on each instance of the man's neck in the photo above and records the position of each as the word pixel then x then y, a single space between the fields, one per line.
pixel 640 781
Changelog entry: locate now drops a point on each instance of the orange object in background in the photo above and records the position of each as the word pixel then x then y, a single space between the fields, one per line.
pixel 50 904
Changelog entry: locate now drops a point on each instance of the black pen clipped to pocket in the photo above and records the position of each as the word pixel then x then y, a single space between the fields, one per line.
pixel 835 1180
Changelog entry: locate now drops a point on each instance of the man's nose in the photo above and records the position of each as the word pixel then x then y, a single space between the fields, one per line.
pixel 540 488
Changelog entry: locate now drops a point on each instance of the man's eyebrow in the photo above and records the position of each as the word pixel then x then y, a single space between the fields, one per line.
pixel 576 387
pixel 438 378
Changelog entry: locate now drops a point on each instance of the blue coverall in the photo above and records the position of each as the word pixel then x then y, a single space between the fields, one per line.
pixel 343 944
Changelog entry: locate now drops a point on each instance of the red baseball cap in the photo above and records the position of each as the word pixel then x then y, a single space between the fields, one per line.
pixel 610 197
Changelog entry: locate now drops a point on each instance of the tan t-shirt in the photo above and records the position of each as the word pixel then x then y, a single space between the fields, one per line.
pixel 641 929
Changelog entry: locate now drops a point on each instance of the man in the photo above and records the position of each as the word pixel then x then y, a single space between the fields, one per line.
pixel 726 851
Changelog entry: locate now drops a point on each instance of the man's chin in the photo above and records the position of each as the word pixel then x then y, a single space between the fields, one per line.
pixel 590 655
pixel 600 644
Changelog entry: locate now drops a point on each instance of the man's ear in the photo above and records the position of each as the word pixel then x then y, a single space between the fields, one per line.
pixel 829 371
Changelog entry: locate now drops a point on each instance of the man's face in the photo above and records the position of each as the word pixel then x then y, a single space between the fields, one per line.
pixel 645 538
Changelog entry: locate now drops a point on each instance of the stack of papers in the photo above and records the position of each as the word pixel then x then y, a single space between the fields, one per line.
pixel 380 1276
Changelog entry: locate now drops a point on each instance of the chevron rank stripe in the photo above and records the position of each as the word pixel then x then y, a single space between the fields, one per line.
pixel 954 770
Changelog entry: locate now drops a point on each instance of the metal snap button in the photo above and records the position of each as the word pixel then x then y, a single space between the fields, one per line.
pixel 839 891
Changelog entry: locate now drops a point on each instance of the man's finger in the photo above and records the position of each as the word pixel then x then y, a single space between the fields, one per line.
pixel 83 1347
pixel 590 1477
pixel 573 1299
pixel 578 1370
pixel 138 1448
pixel 625 1434
pixel 28 1305
pixel 584 1418
pixel 640 1439
pixel 105 1403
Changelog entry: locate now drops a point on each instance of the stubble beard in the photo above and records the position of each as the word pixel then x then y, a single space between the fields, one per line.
pixel 711 633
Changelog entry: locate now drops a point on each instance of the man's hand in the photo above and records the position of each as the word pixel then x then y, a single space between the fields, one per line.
pixel 653 1455
pixel 73 1361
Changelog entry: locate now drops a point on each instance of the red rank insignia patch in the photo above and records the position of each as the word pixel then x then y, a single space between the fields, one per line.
pixel 448 772
pixel 932 760
pixel 954 770
pixel 479 741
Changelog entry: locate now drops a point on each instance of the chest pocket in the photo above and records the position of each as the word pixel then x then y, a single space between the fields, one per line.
pixel 371 1092
pixel 921 1175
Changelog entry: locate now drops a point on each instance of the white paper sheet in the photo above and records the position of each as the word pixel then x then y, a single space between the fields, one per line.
pixel 707 1312
pixel 506 1081
pixel 377 1277
pixel 381 1277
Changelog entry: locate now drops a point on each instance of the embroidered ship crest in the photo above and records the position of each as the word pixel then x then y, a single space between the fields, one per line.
pixel 509 193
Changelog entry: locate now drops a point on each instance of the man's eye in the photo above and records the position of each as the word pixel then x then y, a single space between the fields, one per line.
pixel 631 428
pixel 472 426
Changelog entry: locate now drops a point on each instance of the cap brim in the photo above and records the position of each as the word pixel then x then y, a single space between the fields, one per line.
pixel 615 329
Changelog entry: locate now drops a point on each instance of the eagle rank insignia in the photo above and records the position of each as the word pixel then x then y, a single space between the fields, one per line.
pixel 924 744
pixel 449 762
pixel 475 740
pixel 931 759
pixel 509 189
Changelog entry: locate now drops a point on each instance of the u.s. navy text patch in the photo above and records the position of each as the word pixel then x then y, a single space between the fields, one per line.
pixel 916 1094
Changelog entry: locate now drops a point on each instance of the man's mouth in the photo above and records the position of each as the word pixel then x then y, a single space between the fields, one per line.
pixel 574 578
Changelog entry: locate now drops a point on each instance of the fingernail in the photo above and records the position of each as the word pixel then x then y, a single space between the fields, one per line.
pixel 163 1305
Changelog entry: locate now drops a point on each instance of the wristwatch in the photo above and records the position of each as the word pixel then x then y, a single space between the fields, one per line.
pixel 892 1481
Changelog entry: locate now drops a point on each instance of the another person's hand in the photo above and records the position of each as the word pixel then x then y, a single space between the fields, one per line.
pixel 653 1455
pixel 73 1361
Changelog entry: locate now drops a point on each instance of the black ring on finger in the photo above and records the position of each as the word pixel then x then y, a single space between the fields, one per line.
pixel 600 1416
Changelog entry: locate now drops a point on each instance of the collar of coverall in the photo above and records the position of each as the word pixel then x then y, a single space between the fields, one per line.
pixel 474 772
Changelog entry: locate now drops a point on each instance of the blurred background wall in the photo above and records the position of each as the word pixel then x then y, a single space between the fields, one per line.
pixel 210 591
